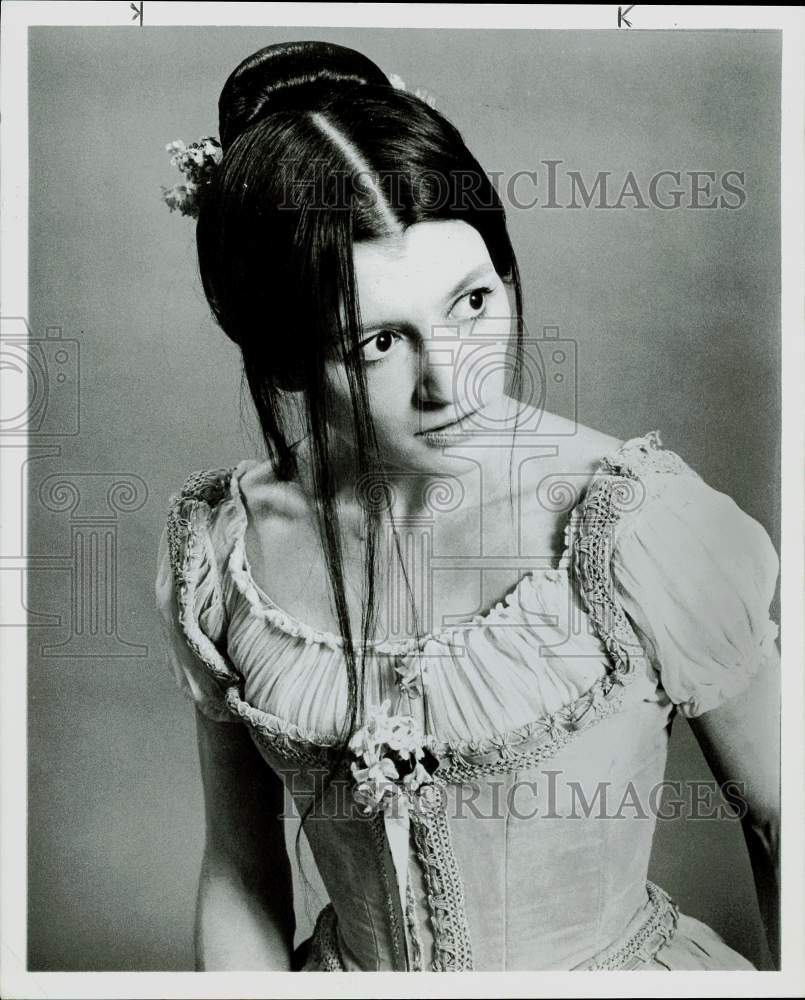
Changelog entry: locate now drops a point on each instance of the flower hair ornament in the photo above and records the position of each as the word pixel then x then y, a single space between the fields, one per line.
pixel 399 84
pixel 199 160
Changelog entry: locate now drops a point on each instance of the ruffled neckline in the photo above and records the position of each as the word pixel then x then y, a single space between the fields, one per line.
pixel 264 606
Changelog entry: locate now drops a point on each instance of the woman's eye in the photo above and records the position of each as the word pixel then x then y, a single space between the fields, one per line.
pixel 379 346
pixel 474 302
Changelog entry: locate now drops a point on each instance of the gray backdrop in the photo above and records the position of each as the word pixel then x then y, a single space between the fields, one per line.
pixel 675 315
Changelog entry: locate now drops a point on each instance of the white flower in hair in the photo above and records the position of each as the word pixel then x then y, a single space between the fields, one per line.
pixel 399 84
pixel 197 162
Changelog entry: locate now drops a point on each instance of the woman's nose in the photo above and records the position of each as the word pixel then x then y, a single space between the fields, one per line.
pixel 438 362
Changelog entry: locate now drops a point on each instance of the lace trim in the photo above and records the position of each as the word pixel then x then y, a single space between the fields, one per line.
pixel 212 486
pixel 281 737
pixel 188 518
pixel 502 752
pixel 412 925
pixel 645 454
pixel 603 507
pixel 452 948
pixel 647 940
pixel 553 732
pixel 390 887
pixel 641 947
pixel 325 952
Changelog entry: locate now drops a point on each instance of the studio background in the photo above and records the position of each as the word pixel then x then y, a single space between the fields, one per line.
pixel 675 317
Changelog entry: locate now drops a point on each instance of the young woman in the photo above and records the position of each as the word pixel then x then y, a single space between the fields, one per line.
pixel 451 626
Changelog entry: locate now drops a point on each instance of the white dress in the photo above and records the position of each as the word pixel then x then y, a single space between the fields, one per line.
pixel 659 604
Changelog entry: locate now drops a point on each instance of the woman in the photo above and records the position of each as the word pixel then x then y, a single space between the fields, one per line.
pixel 476 787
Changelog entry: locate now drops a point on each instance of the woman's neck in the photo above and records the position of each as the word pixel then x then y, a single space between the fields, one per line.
pixel 482 478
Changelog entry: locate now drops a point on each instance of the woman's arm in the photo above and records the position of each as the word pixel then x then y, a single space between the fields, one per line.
pixel 244 915
pixel 741 741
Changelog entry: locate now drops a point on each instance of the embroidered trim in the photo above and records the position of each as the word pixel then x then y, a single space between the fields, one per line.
pixel 325 953
pixel 452 948
pixel 554 732
pixel 390 889
pixel 604 503
pixel 283 737
pixel 277 727
pixel 646 454
pixel 601 512
pixel 281 745
pixel 412 925
pixel 211 486
pixel 188 518
pixel 602 507
pixel 657 930
pixel 643 945
pixel 497 753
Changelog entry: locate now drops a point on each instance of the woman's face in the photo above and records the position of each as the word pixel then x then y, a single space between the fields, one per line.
pixel 436 321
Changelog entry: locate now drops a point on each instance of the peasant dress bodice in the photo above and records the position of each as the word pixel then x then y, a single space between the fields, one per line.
pixel 548 716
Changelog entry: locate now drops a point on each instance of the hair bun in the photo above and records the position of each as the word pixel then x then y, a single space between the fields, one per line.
pixel 289 75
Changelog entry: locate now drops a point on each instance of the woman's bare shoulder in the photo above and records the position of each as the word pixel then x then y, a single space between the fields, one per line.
pixel 268 497
pixel 576 446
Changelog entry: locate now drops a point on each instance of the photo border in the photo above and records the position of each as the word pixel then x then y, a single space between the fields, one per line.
pixel 15 980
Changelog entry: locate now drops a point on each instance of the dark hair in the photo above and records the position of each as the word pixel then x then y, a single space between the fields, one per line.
pixel 384 159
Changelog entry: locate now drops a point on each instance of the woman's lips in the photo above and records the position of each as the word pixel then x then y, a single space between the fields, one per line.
pixel 446 427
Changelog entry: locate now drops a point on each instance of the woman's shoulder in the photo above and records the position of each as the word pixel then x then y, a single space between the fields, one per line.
pixel 249 481
pixel 263 493
pixel 564 434
pixel 206 515
pixel 647 512
pixel 552 447
pixel 208 486
pixel 694 573
pixel 641 485
pixel 189 592
pixel 632 472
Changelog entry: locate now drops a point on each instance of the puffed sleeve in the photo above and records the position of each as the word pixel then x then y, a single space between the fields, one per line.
pixel 696 575
pixel 203 673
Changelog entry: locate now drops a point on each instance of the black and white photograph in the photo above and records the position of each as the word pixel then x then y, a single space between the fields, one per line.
pixel 402 500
